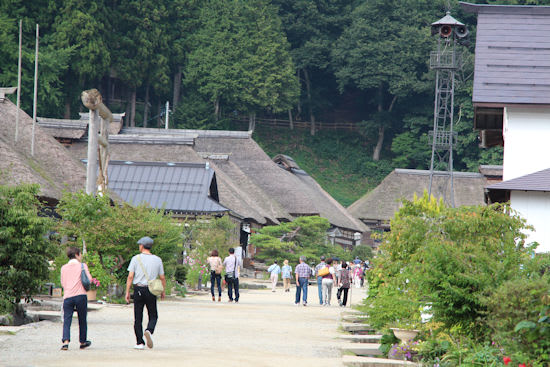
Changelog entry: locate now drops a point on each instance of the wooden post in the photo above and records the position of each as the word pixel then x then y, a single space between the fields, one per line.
pixel 91 167
pixel 18 82
pixel 35 91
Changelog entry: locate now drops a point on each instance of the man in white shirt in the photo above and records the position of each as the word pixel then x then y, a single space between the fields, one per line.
pixel 231 264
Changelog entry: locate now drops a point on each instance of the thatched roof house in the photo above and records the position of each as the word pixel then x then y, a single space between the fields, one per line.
pixel 52 166
pixel 254 187
pixel 377 207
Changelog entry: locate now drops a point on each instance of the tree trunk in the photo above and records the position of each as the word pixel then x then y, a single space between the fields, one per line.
pixel 217 109
pixel 128 110
pixel 159 109
pixel 251 121
pixel 133 108
pixel 381 128
pixel 299 107
pixel 146 107
pixel 177 89
pixel 290 119
pixel 308 91
pixel 67 114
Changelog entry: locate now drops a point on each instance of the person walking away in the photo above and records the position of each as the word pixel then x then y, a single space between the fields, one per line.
pixel 343 285
pixel 216 267
pixel 144 267
pixel 328 281
pixel 321 265
pixel 286 273
pixel 232 264
pixel 303 272
pixel 357 272
pixel 74 297
pixel 274 270
pixel 337 269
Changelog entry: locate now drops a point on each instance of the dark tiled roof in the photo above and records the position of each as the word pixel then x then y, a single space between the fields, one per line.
pixel 512 54
pixel 180 187
pixel 538 181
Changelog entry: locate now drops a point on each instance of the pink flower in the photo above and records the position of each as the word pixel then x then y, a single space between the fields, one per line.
pixel 506 360
pixel 522 365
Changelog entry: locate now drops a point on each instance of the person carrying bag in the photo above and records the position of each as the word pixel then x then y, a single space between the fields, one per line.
pixel 216 268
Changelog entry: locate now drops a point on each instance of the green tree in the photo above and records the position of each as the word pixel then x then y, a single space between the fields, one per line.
pixel 24 246
pixel 113 231
pixel 241 58
pixel 384 52
pixel 312 27
pixel 305 236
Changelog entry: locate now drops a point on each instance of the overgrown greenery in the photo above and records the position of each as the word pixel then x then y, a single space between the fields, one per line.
pixel 110 232
pixel 304 236
pixel 473 270
pixel 24 245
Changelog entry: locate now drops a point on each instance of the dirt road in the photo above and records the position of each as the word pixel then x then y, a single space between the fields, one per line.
pixel 263 329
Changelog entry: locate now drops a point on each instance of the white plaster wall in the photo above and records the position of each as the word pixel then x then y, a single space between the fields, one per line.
pixel 526 133
pixel 534 206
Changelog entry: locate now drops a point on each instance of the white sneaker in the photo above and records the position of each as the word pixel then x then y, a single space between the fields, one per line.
pixel 149 338
pixel 139 346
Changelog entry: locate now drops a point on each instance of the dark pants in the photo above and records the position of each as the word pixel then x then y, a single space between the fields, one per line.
pixel 80 303
pixel 213 279
pixel 234 282
pixel 343 291
pixel 142 297
pixel 301 287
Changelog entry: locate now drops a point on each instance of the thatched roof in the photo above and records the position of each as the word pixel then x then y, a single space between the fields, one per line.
pixel 380 204
pixel 52 166
pixel 249 183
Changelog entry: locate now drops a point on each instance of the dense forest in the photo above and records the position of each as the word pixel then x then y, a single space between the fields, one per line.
pixel 321 61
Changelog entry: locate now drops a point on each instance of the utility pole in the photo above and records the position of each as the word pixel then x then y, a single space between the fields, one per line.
pixel 35 91
pixel 18 82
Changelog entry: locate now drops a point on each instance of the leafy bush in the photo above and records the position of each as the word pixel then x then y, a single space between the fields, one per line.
pixel 449 257
pixel 180 274
pixel 362 251
pixel 24 246
pixel 533 339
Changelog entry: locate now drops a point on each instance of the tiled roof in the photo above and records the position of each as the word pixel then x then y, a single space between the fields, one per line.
pixel 538 181
pixel 179 187
pixel 512 54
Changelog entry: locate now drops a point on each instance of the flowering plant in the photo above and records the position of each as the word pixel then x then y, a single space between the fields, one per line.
pixel 406 351
pixel 94 283
pixel 197 269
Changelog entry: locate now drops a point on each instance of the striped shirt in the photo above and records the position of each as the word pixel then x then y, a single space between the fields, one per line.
pixel 303 270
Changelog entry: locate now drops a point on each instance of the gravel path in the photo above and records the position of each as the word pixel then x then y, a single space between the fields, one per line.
pixel 263 329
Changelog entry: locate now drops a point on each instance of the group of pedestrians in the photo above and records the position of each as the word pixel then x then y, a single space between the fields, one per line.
pixel 146 267
pixel 232 265
pixel 143 268
pixel 330 273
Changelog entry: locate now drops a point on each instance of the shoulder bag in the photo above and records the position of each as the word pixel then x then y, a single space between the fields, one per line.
pixel 323 271
pixel 155 285
pixel 230 275
pixel 219 267
pixel 84 278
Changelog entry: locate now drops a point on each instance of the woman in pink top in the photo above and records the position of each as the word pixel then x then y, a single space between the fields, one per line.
pixel 74 296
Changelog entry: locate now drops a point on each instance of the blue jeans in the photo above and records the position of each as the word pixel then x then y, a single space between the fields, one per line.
pixel 81 304
pixel 301 287
pixel 320 289
pixel 230 284
pixel 213 279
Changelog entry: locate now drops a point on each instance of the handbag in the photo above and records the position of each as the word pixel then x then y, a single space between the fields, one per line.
pixel 155 285
pixel 84 278
pixel 323 271
pixel 219 267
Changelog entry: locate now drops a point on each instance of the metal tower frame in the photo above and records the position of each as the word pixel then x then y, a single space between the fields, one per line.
pixel 445 61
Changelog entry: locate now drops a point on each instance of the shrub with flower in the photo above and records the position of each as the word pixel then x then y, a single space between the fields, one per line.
pixel 407 351
pixel 94 283
pixel 197 269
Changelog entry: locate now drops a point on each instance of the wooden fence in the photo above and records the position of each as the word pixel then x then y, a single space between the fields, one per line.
pixel 301 124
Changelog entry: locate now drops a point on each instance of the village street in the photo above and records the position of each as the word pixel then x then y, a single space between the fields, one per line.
pixel 263 329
